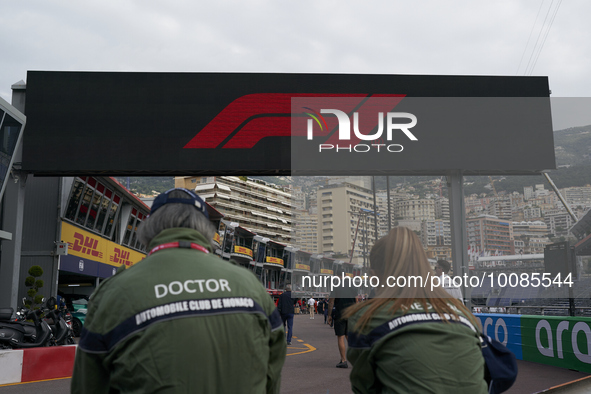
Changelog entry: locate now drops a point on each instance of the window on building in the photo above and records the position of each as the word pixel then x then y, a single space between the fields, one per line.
pixel 74 200
pixel 111 216
pixel 130 237
pixel 92 205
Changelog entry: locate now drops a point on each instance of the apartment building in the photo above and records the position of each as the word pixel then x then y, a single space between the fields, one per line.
pixel 489 233
pixel 299 198
pixel 536 228
pixel 442 208
pixel 558 222
pixel 305 231
pixel 532 213
pixel 363 181
pixel 382 202
pixel 475 205
pixel 415 209
pixel 260 207
pixel 344 210
pixel 577 196
pixel 501 207
pixel 435 233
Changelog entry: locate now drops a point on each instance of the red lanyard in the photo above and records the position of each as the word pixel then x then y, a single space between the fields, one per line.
pixel 182 244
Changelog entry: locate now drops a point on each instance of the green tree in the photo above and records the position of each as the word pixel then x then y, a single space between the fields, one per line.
pixel 34 300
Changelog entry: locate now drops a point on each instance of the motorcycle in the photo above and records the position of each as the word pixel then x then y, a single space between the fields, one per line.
pixel 58 316
pixel 19 334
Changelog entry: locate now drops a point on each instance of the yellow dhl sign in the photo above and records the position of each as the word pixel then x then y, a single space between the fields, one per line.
pixel 325 271
pixel 274 260
pixel 90 246
pixel 349 274
pixel 242 250
pixel 303 267
pixel 216 238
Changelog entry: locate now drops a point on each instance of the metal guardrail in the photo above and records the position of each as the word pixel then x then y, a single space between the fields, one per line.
pixel 516 309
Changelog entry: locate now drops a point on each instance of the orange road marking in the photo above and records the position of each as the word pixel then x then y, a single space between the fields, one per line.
pixel 310 349
pixel 34 381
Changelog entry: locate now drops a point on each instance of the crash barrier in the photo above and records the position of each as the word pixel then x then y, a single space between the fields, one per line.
pixel 41 363
pixel 560 341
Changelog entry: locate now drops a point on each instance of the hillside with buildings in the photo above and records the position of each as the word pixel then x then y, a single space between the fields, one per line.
pixel 573 160
pixel 334 215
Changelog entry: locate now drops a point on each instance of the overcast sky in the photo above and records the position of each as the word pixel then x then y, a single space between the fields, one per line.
pixel 384 37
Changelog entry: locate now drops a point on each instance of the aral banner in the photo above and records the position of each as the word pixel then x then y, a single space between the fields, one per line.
pixel 505 329
pixel 561 341
pixel 556 340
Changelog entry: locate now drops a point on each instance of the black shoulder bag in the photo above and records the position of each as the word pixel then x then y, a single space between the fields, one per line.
pixel 501 365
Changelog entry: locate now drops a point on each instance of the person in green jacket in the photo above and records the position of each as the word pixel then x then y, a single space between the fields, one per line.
pixel 412 339
pixel 182 320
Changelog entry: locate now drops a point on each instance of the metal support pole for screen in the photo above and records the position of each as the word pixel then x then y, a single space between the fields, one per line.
pixel 455 182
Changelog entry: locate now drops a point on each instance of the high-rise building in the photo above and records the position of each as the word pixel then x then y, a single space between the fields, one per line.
pixel 577 196
pixel 415 209
pixel 501 207
pixel 488 233
pixel 363 181
pixel 558 222
pixel 299 198
pixel 442 208
pixel 260 207
pixel 305 231
pixel 528 192
pixel 435 233
pixel 345 210
pixel 535 228
pixel 382 202
pixel 532 213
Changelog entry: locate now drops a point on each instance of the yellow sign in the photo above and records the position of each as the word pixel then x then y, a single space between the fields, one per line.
pixel 303 267
pixel 242 250
pixel 325 271
pixel 274 260
pixel 84 244
pixel 349 274
pixel 216 238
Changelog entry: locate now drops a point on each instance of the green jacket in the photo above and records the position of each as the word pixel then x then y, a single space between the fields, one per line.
pixel 427 357
pixel 180 321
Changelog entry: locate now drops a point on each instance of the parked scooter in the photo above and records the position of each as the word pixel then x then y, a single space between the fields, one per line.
pixel 22 334
pixel 56 317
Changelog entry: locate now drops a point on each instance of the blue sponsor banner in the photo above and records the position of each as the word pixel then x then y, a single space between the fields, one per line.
pixel 79 265
pixel 106 270
pixel 88 267
pixel 505 329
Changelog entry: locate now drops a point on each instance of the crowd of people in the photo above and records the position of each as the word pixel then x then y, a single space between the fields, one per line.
pixel 234 338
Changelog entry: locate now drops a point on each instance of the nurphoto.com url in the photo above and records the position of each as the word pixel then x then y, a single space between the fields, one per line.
pixel 502 279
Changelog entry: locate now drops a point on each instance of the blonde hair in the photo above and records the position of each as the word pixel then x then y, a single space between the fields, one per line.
pixel 401 254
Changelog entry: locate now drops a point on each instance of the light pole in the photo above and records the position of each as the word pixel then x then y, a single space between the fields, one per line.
pixel 363 214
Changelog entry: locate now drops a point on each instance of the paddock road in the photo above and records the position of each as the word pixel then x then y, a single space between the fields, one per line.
pixel 310 368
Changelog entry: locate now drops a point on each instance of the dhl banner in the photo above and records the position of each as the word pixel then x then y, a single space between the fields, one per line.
pixel 325 271
pixel 349 274
pixel 303 267
pixel 242 250
pixel 274 260
pixel 216 238
pixel 86 245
